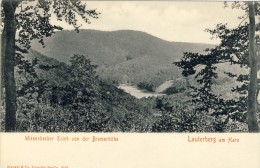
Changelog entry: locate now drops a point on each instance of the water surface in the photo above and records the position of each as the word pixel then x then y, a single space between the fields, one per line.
pixel 138 93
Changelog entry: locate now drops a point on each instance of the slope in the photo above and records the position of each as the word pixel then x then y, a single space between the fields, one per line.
pixel 123 56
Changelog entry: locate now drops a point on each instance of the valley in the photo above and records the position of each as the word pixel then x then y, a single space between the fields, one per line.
pixel 123 56
pixel 120 81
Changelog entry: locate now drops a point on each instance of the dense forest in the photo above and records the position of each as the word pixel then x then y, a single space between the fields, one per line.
pixel 123 56
pixel 55 96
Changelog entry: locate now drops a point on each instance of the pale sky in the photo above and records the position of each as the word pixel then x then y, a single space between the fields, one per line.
pixel 168 20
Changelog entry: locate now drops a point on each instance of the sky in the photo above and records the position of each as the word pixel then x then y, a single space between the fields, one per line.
pixel 168 20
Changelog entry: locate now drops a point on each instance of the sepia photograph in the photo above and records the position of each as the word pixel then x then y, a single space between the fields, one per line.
pixel 127 66
pixel 129 84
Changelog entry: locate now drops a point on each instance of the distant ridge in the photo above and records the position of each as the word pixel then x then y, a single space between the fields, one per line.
pixel 124 56
pixel 112 47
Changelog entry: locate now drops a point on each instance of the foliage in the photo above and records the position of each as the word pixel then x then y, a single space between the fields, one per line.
pixel 66 106
pixel 24 21
pixel 79 102
pixel 179 86
pixel 133 57
pixel 54 96
pixel 146 86
pixel 178 114
pixel 232 50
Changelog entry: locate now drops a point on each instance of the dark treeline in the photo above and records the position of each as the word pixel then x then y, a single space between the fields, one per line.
pixel 72 98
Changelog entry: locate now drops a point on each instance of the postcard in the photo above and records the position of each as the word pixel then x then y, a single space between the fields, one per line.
pixel 129 84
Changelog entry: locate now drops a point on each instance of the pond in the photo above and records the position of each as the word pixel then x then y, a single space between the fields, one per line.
pixel 138 93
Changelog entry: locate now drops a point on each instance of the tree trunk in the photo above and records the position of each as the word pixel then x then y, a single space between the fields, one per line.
pixel 3 46
pixel 8 63
pixel 252 90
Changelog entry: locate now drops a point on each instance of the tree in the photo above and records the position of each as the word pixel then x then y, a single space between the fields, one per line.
pixel 79 96
pixel 27 20
pixel 253 63
pixel 178 115
pixel 237 47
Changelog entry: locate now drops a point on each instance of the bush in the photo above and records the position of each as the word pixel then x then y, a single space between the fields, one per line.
pixel 146 86
pixel 179 115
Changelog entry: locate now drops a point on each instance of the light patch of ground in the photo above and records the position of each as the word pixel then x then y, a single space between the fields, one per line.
pixel 138 93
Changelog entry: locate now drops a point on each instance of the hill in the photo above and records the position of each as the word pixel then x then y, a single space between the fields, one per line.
pixel 123 56
pixel 68 96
